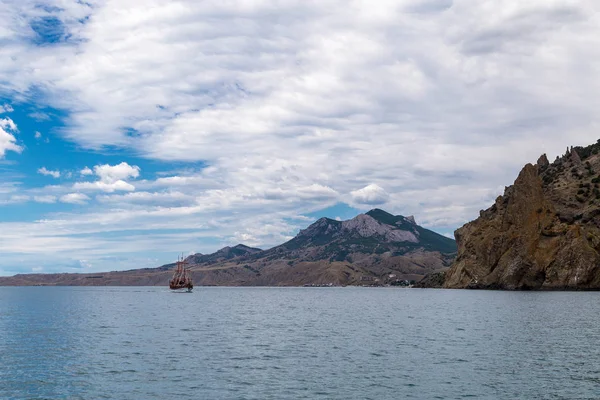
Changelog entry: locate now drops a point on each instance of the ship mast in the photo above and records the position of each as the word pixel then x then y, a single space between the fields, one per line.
pixel 181 278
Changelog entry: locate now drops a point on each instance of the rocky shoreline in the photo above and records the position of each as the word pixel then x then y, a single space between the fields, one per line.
pixel 542 234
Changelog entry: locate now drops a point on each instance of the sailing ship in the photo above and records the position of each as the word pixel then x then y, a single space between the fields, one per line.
pixel 182 279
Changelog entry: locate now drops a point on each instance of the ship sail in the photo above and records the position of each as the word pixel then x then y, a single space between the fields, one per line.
pixel 181 279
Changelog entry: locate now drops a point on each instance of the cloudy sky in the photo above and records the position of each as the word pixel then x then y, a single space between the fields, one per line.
pixel 131 131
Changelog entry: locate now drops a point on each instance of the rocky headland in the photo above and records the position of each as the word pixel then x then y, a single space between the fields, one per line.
pixel 542 234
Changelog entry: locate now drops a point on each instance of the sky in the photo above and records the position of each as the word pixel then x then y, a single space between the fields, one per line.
pixel 133 131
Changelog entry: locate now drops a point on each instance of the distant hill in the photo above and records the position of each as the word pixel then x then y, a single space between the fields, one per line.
pixel 226 253
pixel 375 248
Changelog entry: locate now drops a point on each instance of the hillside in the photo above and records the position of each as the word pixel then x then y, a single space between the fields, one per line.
pixel 371 249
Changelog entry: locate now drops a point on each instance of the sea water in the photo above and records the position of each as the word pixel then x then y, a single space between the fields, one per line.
pixel 297 343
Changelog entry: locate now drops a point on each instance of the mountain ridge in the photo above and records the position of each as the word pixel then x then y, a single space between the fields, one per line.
pixel 375 247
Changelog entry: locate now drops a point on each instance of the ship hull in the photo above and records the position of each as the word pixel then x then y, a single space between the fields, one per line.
pixel 181 287
pixel 182 290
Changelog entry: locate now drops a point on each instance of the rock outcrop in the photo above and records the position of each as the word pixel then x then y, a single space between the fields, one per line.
pixel 432 281
pixel 542 234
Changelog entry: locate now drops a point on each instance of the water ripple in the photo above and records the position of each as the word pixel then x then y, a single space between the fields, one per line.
pixel 297 343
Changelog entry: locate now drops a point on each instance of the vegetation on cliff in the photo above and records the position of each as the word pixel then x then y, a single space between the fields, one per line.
pixel 542 234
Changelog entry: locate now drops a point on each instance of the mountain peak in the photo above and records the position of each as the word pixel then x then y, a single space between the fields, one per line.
pixel 385 217
pixel 366 226
pixel 379 212
pixel 241 246
pixel 375 231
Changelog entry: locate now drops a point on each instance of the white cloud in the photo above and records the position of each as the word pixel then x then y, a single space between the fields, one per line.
pixel 291 104
pixel 370 195
pixel 313 192
pixel 74 198
pixel 14 199
pixel 86 171
pixel 337 101
pixel 8 124
pixel 112 173
pixel 110 177
pixel 104 186
pixel 39 116
pixel 19 198
pixel 8 142
pixel 159 198
pixel 38 135
pixel 49 199
pixel 6 108
pixel 44 171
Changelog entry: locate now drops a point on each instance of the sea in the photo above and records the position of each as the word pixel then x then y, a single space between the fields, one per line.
pixel 297 343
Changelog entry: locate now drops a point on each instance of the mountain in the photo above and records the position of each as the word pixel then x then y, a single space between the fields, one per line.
pixel 542 234
pixel 376 232
pixel 226 253
pixel 373 249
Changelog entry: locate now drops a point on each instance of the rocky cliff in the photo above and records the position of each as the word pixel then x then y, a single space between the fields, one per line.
pixel 542 234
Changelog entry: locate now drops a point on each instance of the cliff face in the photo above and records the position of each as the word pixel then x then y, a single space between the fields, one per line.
pixel 542 234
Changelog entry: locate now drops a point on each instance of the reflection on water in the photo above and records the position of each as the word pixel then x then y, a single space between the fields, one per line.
pixel 294 343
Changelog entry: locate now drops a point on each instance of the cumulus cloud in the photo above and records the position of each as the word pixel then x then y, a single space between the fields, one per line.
pixel 86 171
pixel 8 124
pixel 441 102
pixel 44 171
pixel 339 97
pixel 8 142
pixel 370 195
pixel 113 173
pixel 74 198
pixel 110 177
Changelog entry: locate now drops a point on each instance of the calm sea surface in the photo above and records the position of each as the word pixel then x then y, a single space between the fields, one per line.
pixel 297 343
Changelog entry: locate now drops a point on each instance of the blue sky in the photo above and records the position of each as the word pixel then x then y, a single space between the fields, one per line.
pixel 133 131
